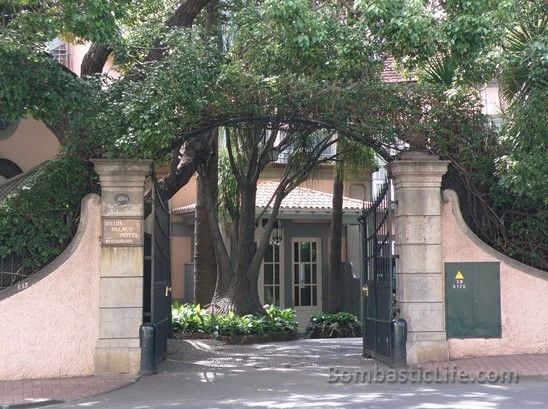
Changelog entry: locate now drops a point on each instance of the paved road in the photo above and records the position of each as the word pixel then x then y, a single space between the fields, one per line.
pixel 297 375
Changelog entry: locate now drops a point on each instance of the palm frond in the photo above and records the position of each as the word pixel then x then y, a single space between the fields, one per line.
pixel 440 71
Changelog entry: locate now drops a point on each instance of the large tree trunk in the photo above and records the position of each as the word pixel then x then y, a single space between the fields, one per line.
pixel 184 162
pixel 241 296
pixel 95 59
pixel 205 265
pixel 238 298
pixel 335 244
pixel 184 16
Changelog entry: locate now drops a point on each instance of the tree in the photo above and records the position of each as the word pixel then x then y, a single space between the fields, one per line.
pixel 354 161
pixel 457 46
pixel 72 108
pixel 249 149
pixel 289 64
pixel 524 82
pixel 205 265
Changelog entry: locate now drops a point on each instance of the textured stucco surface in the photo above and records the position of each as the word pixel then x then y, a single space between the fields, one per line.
pixel 524 294
pixel 31 144
pixel 50 329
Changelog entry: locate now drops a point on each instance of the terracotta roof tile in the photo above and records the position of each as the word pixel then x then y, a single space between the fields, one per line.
pixel 300 198
pixel 389 73
pixel 303 198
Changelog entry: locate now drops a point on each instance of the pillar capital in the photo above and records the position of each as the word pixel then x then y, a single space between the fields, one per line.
pixel 122 172
pixel 418 169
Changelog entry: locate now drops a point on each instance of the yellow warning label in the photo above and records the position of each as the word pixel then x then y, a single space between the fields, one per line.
pixel 459 276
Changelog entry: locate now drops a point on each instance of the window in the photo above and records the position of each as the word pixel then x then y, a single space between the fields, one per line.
pixel 330 151
pixel 59 50
pixel 272 276
pixel 283 157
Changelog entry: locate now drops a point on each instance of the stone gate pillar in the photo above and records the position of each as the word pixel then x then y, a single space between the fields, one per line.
pixel 122 252
pixel 419 273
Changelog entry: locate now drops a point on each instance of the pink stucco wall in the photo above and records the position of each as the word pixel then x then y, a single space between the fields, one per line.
pixel 524 292
pixel 31 144
pixel 50 329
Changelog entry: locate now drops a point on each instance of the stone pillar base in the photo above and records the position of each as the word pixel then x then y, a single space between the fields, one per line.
pixel 419 352
pixel 115 361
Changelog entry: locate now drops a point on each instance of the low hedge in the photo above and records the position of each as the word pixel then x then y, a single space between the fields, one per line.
pixel 337 325
pixel 192 319
pixel 38 219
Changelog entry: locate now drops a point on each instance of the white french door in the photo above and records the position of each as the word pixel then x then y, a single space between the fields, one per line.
pixel 307 279
pixel 271 277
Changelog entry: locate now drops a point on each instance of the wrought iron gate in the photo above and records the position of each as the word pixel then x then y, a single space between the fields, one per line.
pixel 157 285
pixel 378 282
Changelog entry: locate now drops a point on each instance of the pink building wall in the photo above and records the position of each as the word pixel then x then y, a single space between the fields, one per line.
pixel 524 292
pixel 50 329
pixel 181 254
pixel 31 144
pixel 77 54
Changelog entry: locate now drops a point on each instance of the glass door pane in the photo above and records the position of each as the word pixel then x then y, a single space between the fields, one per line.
pixel 305 267
pixel 271 276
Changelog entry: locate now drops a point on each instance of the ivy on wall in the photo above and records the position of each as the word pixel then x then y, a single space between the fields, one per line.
pixel 38 219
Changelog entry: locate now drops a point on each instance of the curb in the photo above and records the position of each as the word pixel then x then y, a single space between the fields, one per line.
pixel 532 377
pixel 35 404
pixel 41 402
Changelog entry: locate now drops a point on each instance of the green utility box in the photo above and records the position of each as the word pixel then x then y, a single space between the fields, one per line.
pixel 472 300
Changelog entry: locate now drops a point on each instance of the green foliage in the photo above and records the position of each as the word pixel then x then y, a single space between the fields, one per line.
pixel 457 130
pixel 227 188
pixel 190 318
pixel 524 60
pixel 146 111
pixel 93 20
pixel 507 168
pixel 37 220
pixel 282 37
pixel 354 160
pixel 299 61
pixel 451 40
pixel 524 165
pixel 337 325
pixel 33 83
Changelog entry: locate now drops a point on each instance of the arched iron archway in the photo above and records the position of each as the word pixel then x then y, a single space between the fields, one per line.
pixel 382 149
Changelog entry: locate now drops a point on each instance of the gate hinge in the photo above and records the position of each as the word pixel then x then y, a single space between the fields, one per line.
pixel 393 204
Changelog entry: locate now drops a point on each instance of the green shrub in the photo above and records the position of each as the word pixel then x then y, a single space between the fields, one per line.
pixel 190 318
pixel 37 220
pixel 338 325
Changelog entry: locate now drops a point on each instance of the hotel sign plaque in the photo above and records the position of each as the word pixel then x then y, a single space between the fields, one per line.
pixel 122 231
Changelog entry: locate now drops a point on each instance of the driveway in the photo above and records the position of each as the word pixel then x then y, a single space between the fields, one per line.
pixel 300 374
